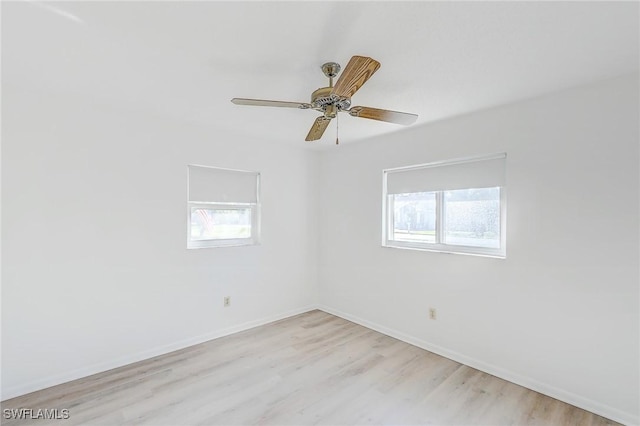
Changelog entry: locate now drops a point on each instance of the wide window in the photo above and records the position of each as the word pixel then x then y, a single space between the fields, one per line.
pixel 456 206
pixel 223 207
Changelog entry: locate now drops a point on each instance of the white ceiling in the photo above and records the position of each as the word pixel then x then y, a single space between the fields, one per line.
pixel 186 60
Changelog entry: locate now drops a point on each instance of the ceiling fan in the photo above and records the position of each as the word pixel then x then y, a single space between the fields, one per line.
pixel 334 99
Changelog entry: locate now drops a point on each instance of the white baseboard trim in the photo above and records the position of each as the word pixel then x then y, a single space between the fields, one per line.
pixel 527 382
pixel 46 382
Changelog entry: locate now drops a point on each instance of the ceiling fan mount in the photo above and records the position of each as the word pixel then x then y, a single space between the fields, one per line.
pixel 332 99
pixel 331 69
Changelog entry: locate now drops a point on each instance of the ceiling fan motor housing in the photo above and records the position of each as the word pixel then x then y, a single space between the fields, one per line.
pixel 327 103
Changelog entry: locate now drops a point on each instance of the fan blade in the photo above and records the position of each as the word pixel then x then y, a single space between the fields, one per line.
pixel 356 73
pixel 404 118
pixel 264 102
pixel 318 128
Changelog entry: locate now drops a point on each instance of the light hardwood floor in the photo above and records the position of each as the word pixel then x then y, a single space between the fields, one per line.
pixel 313 368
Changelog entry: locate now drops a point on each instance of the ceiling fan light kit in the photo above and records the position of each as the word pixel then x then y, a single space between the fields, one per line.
pixel 332 100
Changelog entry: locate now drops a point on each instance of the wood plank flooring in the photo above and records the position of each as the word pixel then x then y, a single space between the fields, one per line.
pixel 311 369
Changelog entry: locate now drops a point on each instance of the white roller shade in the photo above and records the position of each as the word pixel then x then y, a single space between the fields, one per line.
pixel 210 184
pixel 483 172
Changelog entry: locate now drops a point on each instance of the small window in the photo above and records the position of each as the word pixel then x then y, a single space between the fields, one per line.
pixel 456 206
pixel 223 207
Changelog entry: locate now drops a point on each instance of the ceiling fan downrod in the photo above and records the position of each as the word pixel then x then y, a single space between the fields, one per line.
pixel 331 69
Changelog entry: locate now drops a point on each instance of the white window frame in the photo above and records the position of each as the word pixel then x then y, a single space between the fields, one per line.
pixel 253 239
pixel 439 246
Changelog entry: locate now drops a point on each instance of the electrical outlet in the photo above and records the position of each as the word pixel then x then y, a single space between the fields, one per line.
pixel 227 301
pixel 433 314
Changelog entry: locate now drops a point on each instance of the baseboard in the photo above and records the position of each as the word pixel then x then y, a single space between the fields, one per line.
pixel 527 382
pixel 79 373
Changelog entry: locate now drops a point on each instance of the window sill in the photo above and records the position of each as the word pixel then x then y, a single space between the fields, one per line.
pixel 191 245
pixel 439 248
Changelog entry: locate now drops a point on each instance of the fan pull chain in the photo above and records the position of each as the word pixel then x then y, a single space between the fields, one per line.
pixel 337 123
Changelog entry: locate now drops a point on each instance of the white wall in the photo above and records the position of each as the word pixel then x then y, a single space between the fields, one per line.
pixel 95 267
pixel 560 314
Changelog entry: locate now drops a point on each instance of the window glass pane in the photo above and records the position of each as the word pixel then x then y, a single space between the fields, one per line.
pixel 220 224
pixel 472 217
pixel 414 217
